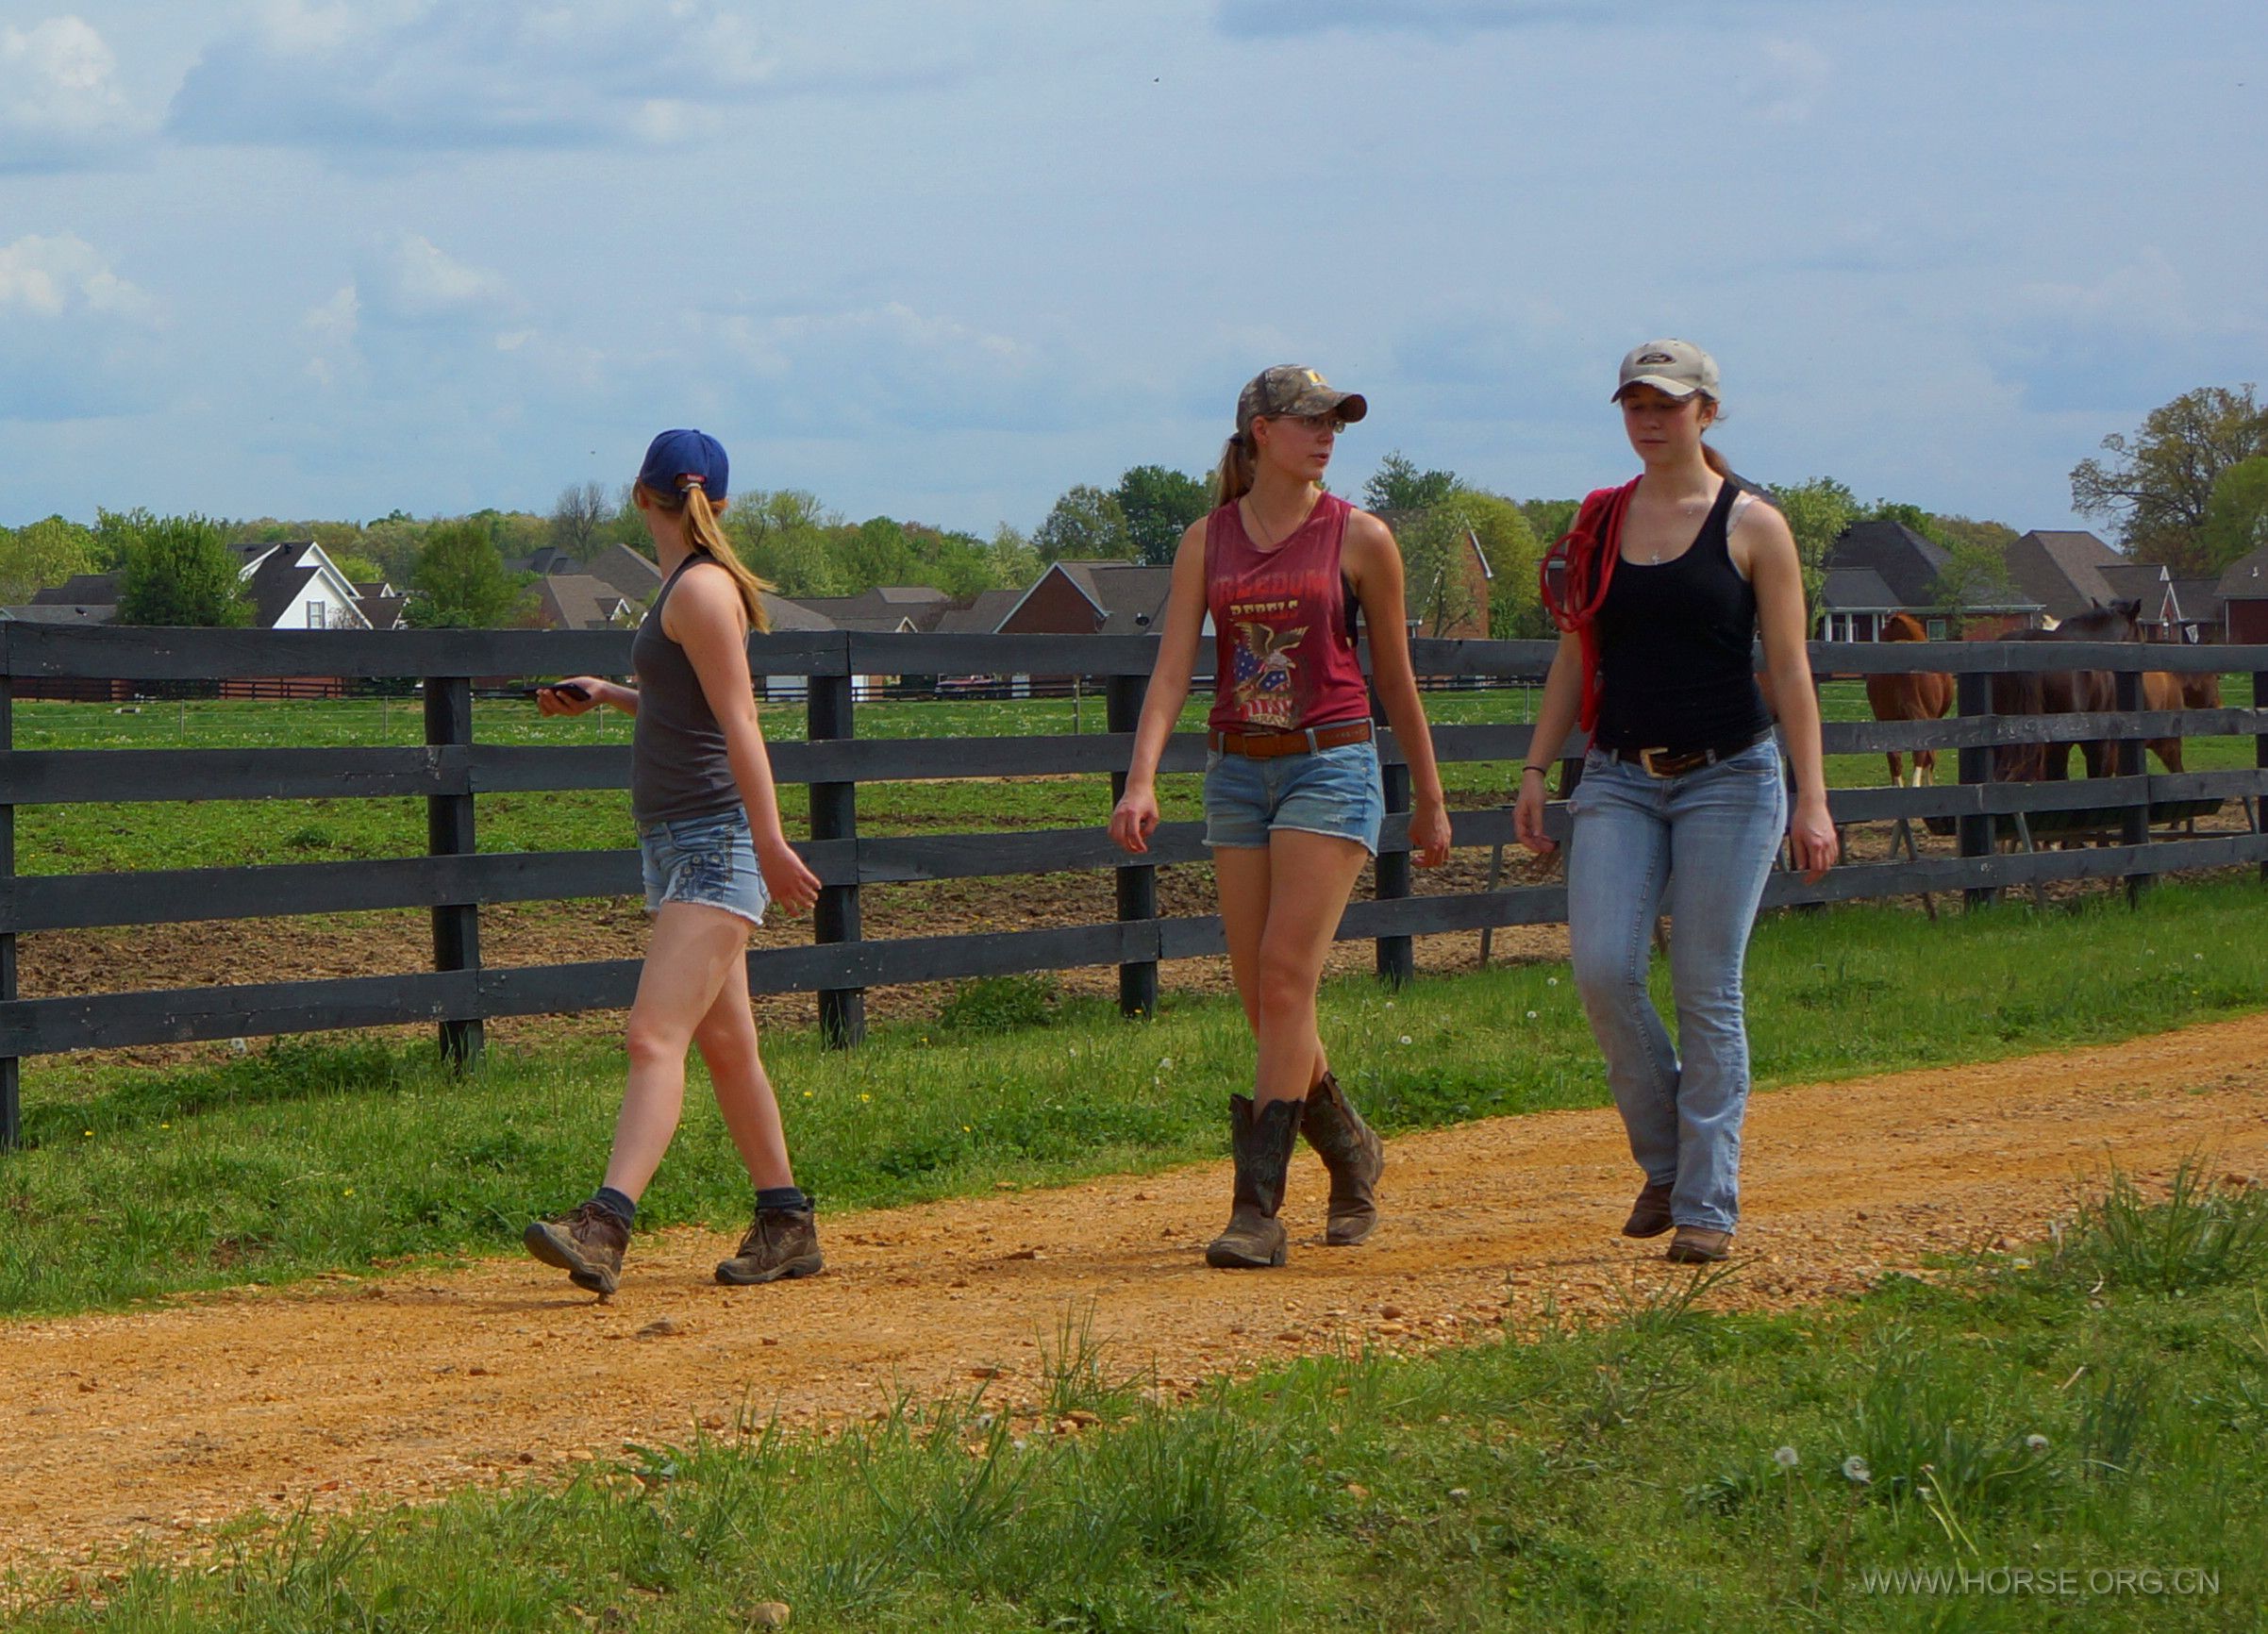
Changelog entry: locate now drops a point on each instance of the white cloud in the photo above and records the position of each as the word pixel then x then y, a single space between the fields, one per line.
pixel 60 106
pixel 419 282
pixel 1790 83
pixel 76 339
pixel 428 75
pixel 68 278
pixel 2128 338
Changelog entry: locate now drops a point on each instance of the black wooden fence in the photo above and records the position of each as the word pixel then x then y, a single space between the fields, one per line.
pixel 453 880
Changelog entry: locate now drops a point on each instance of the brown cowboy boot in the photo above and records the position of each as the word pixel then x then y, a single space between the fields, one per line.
pixel 782 1243
pixel 1353 1154
pixel 1263 1141
pixel 586 1242
pixel 1650 1214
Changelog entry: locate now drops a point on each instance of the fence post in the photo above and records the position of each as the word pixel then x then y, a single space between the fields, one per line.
pixel 2134 824
pixel 1973 695
pixel 835 816
pixel 449 833
pixel 11 1106
pixel 2260 759
pixel 1137 886
pixel 1398 955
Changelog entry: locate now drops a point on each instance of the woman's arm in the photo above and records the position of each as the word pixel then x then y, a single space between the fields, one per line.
pixel 1374 562
pixel 704 617
pixel 552 701
pixel 1136 813
pixel 1555 718
pixel 1769 549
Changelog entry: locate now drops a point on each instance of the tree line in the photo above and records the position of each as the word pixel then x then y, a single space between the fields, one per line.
pixel 2187 487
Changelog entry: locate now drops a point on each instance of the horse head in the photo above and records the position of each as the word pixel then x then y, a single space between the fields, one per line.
pixel 1902 626
pixel 2104 621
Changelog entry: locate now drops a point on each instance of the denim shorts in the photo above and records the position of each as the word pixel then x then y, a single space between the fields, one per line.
pixel 708 860
pixel 1334 791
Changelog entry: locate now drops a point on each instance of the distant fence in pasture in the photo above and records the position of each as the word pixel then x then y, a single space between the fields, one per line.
pixel 453 881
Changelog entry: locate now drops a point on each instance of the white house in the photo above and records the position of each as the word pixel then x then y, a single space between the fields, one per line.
pixel 295 586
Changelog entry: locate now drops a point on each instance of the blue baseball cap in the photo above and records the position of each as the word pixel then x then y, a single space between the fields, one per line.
pixel 674 455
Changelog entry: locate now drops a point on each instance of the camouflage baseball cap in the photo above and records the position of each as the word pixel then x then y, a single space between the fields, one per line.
pixel 1288 389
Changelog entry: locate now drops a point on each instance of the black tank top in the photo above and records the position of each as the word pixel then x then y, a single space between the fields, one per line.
pixel 677 763
pixel 1675 670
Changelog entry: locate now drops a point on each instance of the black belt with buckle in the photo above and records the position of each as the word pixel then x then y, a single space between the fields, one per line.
pixel 1662 764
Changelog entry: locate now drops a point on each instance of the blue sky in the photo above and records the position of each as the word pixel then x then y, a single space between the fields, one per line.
pixel 941 260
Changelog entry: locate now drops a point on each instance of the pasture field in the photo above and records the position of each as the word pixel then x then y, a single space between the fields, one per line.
pixel 306 1158
pixel 2074 1434
pixel 64 839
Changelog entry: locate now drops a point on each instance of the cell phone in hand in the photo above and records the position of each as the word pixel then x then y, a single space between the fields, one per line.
pixel 565 689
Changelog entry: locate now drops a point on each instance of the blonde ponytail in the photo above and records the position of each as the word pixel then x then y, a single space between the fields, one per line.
pixel 705 535
pixel 1233 480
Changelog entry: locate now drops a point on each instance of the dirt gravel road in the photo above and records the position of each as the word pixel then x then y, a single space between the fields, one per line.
pixel 149 1426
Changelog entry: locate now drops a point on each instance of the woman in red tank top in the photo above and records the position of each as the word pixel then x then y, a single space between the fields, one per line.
pixel 1292 798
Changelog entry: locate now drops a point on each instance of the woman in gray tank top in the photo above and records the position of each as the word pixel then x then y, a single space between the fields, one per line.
pixel 715 855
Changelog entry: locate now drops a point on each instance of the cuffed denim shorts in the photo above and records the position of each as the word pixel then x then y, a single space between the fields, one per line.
pixel 708 860
pixel 1334 791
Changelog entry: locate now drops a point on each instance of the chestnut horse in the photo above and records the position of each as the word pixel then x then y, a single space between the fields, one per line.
pixel 1919 695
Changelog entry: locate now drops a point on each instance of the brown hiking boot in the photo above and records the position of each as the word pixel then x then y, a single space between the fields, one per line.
pixel 586 1242
pixel 782 1243
pixel 1263 1141
pixel 1353 1154
pixel 1700 1245
pixel 1650 1214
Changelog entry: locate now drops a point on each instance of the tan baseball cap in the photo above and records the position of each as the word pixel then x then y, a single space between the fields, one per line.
pixel 1289 389
pixel 1673 368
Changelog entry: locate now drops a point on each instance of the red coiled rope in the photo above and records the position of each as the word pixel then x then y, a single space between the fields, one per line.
pixel 1585 556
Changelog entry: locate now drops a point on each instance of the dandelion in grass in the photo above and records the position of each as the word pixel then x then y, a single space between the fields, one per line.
pixel 1786 1457
pixel 865 1096
pixel 1531 1015
pixel 1165 1063
pixel 1855 1471
pixel 2035 1444
pixel 1551 981
pixel 1405 1038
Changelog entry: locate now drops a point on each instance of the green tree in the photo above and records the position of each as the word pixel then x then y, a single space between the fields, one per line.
pixel 178 569
pixel 877 552
pixel 1817 512
pixel 2159 482
pixel 42 553
pixel 1159 505
pixel 116 534
pixel 1444 588
pixel 1397 483
pixel 1086 525
pixel 461 581
pixel 1922 522
pixel 2236 517
pixel 579 518
pixel 1015 560
pixel 1549 519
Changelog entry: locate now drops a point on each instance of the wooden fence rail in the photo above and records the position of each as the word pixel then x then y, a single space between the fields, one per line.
pixel 454 880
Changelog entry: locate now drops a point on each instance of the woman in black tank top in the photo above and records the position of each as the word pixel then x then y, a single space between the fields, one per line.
pixel 1682 802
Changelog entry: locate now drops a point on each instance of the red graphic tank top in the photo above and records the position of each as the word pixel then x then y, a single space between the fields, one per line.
pixel 1283 624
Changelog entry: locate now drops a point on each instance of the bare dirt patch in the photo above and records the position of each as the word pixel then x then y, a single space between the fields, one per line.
pixel 148 1427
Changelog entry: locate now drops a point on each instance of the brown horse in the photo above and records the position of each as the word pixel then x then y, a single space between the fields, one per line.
pixel 2065 693
pixel 1919 695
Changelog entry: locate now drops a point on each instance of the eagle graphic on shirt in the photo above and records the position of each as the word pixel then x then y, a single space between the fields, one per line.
pixel 1263 673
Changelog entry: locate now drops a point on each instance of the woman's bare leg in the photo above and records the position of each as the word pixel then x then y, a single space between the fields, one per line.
pixel 1311 877
pixel 727 1040
pixel 693 952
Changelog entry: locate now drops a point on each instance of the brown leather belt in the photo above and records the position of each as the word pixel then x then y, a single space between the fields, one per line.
pixel 1661 763
pixel 1267 745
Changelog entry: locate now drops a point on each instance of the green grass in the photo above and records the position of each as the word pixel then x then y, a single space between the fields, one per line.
pixel 315 1156
pixel 1681 1469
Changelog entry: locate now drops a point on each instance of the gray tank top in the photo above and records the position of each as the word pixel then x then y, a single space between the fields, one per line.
pixel 677 764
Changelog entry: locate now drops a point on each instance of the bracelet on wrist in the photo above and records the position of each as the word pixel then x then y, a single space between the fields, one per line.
pixel 1543 771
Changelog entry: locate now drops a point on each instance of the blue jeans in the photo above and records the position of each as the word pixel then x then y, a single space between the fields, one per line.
pixel 1702 844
